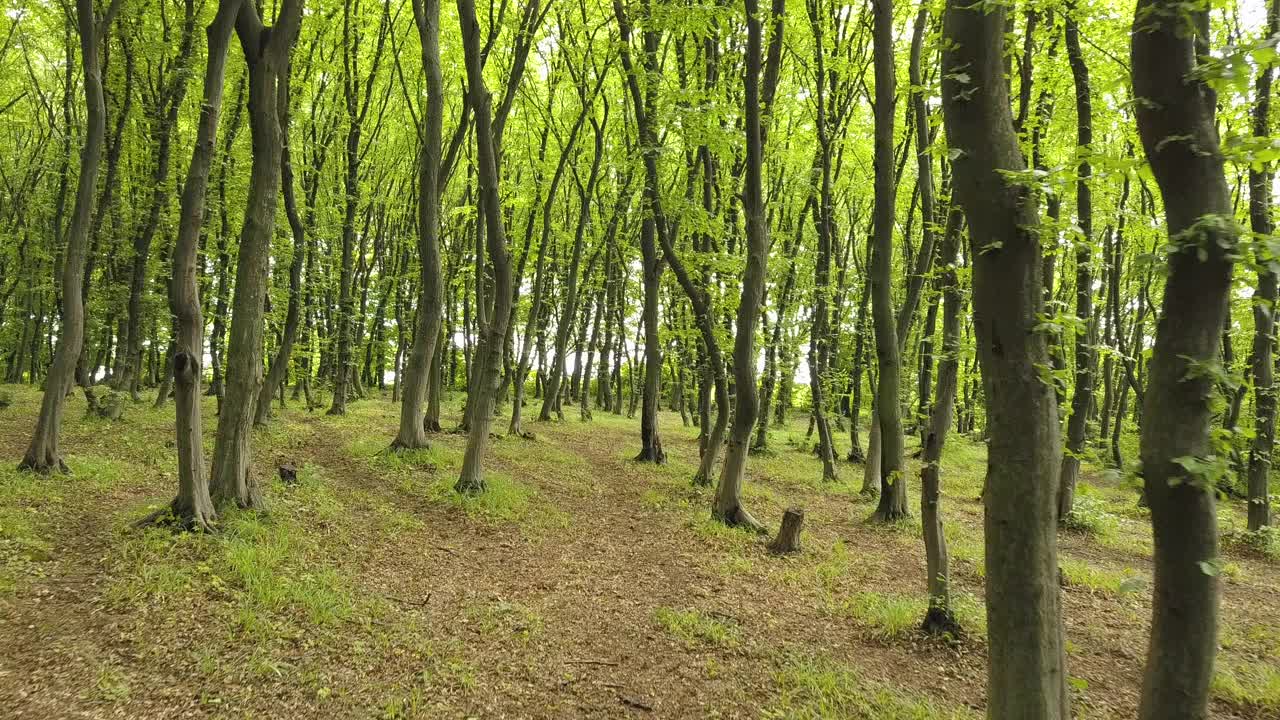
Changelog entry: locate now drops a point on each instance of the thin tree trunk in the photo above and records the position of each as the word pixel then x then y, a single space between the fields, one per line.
pixel 1264 324
pixel 488 361
pixel 1077 425
pixel 42 454
pixel 422 357
pixel 278 368
pixel 940 618
pixel 893 494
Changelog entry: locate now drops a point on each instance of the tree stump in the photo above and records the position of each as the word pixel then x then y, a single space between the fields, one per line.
pixel 788 538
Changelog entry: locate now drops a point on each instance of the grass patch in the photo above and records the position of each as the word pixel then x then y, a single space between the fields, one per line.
pixel 504 618
pixel 695 628
pixel 503 500
pixel 1089 514
pixel 1249 684
pixel 818 688
pixel 893 617
pixel 270 568
pixel 1116 582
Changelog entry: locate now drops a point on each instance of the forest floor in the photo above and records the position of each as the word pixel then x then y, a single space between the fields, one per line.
pixel 582 584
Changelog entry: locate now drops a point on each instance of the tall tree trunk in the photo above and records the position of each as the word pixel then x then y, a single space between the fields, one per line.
pixel 357 96
pixel 278 368
pixel 1026 664
pixel 42 454
pixel 488 361
pixel 654 223
pixel 412 432
pixel 893 495
pixel 1078 424
pixel 727 506
pixel 267 56
pixel 1175 114
pixel 940 618
pixel 1264 303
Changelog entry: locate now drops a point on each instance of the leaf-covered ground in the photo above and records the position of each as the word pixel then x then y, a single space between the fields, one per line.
pixel 581 585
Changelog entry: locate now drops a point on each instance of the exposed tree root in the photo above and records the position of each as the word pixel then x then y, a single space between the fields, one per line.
pixel 856 455
pixel 44 466
pixel 399 446
pixel 189 520
pixel 738 517
pixel 886 516
pixel 940 622
pixel 653 455
pixel 469 487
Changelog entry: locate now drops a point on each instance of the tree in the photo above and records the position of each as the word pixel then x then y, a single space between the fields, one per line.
pixel 1082 397
pixel 266 52
pixel 42 454
pixel 653 224
pixel 893 496
pixel 412 433
pixel 727 506
pixel 489 356
pixel 1026 675
pixel 1175 114
pixel 1264 325
pixel 193 507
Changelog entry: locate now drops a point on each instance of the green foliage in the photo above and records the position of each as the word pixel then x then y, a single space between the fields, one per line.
pixel 1263 542
pixel 1089 513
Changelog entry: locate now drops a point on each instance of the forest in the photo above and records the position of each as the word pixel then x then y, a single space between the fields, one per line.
pixel 639 358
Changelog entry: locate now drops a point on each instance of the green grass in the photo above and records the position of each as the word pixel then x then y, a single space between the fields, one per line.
pixel 273 568
pixel 1089 513
pixel 889 616
pixel 1080 573
pixel 695 628
pixel 819 688
pixel 505 618
pixel 1254 684
pixel 503 500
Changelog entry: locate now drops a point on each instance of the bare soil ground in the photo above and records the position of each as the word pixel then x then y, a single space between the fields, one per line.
pixel 582 584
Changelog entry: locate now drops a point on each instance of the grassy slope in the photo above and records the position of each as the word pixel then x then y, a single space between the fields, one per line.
pixel 582 584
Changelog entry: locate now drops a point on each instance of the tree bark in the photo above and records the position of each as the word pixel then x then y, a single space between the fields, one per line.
pixel 940 618
pixel 42 454
pixel 1175 121
pixel 1264 304
pixel 1078 424
pixel 278 368
pixel 893 491
pixel 412 432
pixel 727 506
pixel 654 223
pixel 266 55
pixel 488 360
pixel 1026 666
